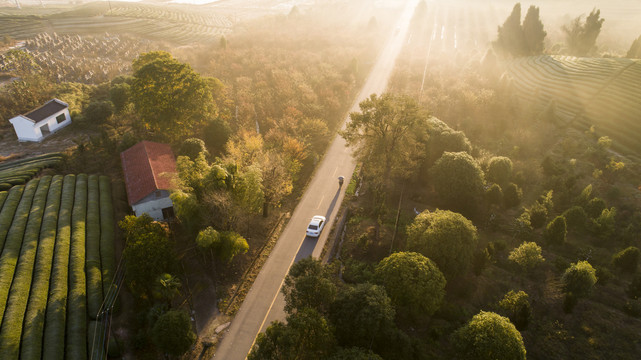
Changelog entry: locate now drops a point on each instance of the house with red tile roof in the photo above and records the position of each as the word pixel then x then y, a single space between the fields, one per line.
pixel 148 168
pixel 41 122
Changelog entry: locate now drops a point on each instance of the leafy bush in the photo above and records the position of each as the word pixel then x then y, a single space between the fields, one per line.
pixel 517 308
pixel 634 288
pixel 627 259
pixel 575 217
pixel 172 333
pixel 413 282
pixel 487 335
pixel 538 215
pixel 447 238
pixel 604 225
pixel 595 207
pixel 458 180
pixel 512 195
pixel 93 272
pixel 499 170
pixel 527 255
pixel 494 194
pixel 579 279
pixel 556 231
pixel 603 275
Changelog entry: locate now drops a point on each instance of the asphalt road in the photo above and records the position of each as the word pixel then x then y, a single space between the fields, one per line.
pixel 264 302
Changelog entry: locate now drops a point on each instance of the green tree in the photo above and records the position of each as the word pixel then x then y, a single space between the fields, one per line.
pixel 489 336
pixel 494 194
pixel 229 245
pixel 512 195
pixel 386 129
pixel 120 95
pixel 510 38
pixel 458 180
pixel 147 252
pixel 307 335
pixel 579 279
pixel 517 308
pixel 538 214
pixel 170 97
pixel 575 217
pixel 172 333
pixel 499 170
pixel 445 140
pixel 581 36
pixel 362 315
pixel 248 189
pixel 533 32
pixel 527 255
pixel 627 259
pixel 216 134
pixel 595 207
pixel 604 225
pixel 97 112
pixel 447 238
pixel 167 287
pixel 308 285
pixel 413 282
pixel 192 148
pixel 556 231
pixel 635 49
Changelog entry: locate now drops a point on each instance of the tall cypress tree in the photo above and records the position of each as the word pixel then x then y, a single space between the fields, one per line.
pixel 533 32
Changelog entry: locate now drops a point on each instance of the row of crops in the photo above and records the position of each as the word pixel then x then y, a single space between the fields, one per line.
pixel 178 24
pixel 595 91
pixel 57 261
pixel 20 171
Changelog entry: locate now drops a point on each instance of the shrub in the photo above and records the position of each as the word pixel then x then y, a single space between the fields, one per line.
pixel 575 217
pixel 579 279
pixel 172 333
pixel 556 231
pixel 603 275
pixel 527 255
pixel 627 259
pixel 538 215
pixel 494 194
pixel 93 273
pixel 499 170
pixel 413 282
pixel 193 147
pixel 447 238
pixel 458 180
pixel 595 207
pixel 604 225
pixel 512 195
pixel 569 302
pixel 517 308
pixel 487 335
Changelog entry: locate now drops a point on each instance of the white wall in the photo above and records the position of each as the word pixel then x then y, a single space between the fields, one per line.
pixel 25 129
pixel 53 123
pixel 152 207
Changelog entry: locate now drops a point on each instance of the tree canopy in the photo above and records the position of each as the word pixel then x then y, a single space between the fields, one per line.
pixel 458 181
pixel 308 285
pixel 170 97
pixel 489 336
pixel 581 35
pixel 446 237
pixel 521 40
pixel 527 255
pixel 579 279
pixel 414 283
pixel 172 332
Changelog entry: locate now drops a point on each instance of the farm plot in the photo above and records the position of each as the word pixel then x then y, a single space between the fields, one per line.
pixel 20 171
pixel 585 91
pixel 56 237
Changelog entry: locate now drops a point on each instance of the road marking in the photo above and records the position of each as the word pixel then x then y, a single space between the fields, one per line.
pixel 275 296
pixel 320 202
pixel 335 170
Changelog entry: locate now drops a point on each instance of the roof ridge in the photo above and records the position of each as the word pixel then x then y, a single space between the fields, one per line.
pixel 151 166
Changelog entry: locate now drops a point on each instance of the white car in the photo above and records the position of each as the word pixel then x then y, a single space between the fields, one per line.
pixel 315 226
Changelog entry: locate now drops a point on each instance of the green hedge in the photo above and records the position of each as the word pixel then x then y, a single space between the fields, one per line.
pixel 35 318
pixel 98 352
pixel 13 243
pixel 3 197
pixel 76 333
pixel 55 319
pixel 20 171
pixel 107 254
pixel 8 210
pixel 94 277
pixel 11 330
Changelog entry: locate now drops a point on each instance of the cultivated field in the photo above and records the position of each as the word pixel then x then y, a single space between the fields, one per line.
pixel 57 241
pixel 585 91
pixel 20 171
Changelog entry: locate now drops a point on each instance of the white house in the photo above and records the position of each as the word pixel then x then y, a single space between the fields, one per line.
pixel 42 122
pixel 148 168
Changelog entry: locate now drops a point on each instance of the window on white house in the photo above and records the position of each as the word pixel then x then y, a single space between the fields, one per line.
pixel 60 118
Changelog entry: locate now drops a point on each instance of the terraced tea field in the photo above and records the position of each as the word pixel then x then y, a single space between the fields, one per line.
pixel 176 24
pixel 57 241
pixel 20 171
pixel 605 92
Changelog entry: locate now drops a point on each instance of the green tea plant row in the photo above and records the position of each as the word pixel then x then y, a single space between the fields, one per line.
pixel 594 91
pixel 59 234
pixel 20 171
